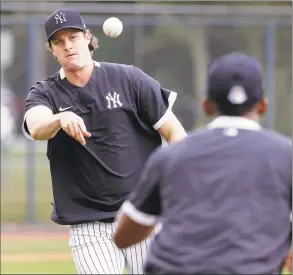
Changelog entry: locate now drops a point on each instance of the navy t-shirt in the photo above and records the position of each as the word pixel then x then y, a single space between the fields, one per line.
pixel 224 198
pixel 122 107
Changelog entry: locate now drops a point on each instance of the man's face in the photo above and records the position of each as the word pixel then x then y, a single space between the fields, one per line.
pixel 70 46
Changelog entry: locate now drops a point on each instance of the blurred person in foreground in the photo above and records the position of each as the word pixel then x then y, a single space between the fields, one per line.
pixel 223 194
pixel 102 121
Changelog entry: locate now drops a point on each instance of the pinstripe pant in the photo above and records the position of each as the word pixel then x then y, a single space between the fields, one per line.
pixel 94 252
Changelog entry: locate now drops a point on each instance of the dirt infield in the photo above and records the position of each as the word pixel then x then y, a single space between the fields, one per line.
pixel 7 236
pixel 34 257
pixel 21 232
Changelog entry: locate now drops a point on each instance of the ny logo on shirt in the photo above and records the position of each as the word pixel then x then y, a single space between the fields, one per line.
pixel 60 18
pixel 113 100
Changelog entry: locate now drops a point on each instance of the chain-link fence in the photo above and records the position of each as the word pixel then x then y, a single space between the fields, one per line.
pixel 173 46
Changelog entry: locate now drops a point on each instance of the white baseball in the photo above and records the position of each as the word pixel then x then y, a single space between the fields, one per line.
pixel 113 27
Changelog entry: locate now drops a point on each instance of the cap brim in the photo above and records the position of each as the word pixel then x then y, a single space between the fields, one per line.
pixel 65 27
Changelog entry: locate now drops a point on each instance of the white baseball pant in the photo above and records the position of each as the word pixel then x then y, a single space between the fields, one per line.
pixel 94 251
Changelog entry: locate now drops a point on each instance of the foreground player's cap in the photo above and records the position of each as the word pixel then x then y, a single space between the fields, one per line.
pixel 235 82
pixel 61 19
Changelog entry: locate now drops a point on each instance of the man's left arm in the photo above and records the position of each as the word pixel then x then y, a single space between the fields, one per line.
pixel 172 130
pixel 134 223
pixel 155 106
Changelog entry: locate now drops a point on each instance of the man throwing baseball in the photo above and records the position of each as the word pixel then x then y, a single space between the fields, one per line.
pixel 102 121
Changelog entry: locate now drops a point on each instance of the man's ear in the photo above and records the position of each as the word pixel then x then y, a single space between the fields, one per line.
pixel 209 107
pixel 262 106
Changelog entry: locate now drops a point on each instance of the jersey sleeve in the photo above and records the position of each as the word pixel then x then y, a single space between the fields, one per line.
pixel 154 102
pixel 35 98
pixel 144 203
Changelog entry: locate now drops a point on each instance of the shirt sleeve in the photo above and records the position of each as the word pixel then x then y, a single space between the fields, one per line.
pixel 144 204
pixel 154 102
pixel 35 98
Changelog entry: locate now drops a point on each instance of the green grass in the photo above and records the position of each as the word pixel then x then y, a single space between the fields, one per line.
pixel 14 189
pixel 48 267
pixel 14 196
pixel 37 247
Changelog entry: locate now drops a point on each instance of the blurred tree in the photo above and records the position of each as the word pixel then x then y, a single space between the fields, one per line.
pixel 193 46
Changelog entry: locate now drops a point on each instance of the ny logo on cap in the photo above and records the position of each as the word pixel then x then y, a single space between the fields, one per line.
pixel 60 18
pixel 237 95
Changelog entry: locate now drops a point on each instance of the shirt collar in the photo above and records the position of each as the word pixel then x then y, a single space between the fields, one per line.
pixel 234 122
pixel 62 73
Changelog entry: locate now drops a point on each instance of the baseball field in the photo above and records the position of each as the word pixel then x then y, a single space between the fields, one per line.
pixel 31 252
pixel 26 249
pixel 42 252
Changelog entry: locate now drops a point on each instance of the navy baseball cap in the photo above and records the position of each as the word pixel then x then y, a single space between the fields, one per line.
pixel 235 83
pixel 62 19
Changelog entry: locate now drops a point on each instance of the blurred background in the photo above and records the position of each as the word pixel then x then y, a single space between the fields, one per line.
pixel 172 41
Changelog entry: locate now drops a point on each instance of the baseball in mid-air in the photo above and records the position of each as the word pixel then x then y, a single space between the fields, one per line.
pixel 112 27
